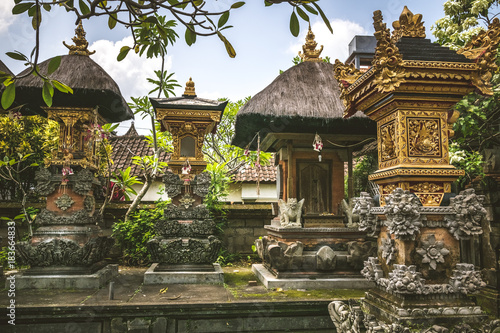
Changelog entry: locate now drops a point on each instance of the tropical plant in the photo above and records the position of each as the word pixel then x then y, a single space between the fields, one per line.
pixel 133 234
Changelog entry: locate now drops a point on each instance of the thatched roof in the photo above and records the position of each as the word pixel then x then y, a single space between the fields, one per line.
pixel 303 99
pixel 91 85
pixel 4 68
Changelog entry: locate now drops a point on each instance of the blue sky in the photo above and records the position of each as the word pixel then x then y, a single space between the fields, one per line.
pixel 260 36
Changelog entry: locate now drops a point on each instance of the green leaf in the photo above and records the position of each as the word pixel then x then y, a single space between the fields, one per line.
pixel 18 217
pixel 267 3
pixel 36 21
pixel 8 96
pixel 5 218
pixel 47 93
pixel 190 36
pixel 61 87
pixel 17 56
pixel 47 7
pixel 22 7
pixel 323 16
pixel 223 19
pixel 123 53
pixel 237 4
pixel 302 14
pixel 112 20
pixel 310 9
pixel 229 48
pixel 84 8
pixel 53 65
pixel 294 25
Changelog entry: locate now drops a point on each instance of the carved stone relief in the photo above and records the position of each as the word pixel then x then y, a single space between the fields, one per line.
pixel 367 221
pixel 432 251
pixel 291 213
pixel 403 214
pixel 469 211
pixel 64 202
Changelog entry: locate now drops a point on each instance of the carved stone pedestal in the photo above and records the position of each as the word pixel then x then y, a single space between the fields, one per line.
pixel 332 257
pixel 68 240
pixel 185 248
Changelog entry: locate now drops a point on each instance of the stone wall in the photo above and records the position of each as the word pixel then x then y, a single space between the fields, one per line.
pixel 245 224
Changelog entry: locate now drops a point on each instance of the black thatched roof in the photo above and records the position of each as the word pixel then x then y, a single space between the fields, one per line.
pixel 303 99
pixel 91 85
pixel 425 50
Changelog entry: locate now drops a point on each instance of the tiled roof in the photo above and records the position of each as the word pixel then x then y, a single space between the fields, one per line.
pixel 129 145
pixel 249 173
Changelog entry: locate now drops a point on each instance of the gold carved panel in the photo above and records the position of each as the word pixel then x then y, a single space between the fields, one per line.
pixel 387 137
pixel 424 137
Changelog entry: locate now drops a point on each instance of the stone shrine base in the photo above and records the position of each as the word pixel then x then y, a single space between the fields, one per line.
pixel 269 280
pixel 184 274
pixel 74 281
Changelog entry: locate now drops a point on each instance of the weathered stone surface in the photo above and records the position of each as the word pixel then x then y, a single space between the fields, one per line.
pixel 184 251
pixel 469 211
pixel 403 214
pixel 367 221
pixel 291 213
pixel 326 260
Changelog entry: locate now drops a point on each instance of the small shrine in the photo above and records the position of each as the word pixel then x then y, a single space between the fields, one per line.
pixel 299 117
pixel 422 270
pixel 185 249
pixel 67 249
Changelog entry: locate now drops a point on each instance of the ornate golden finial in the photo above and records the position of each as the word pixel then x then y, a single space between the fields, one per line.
pixel 189 91
pixel 309 48
pixel 483 49
pixel 409 25
pixel 81 44
pixel 345 74
pixel 387 60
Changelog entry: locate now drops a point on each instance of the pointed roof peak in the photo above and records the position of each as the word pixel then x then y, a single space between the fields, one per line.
pixel 132 131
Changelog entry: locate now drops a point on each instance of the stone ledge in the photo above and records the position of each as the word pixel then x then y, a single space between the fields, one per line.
pixel 90 281
pixel 184 277
pixel 271 282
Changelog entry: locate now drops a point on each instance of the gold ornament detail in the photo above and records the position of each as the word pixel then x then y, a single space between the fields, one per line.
pixel 388 189
pixel 387 144
pixel 387 61
pixel 81 44
pixel 430 199
pixel 309 48
pixel 426 187
pixel 423 137
pixel 409 25
pixel 343 72
pixel 483 50
pixel 452 173
pixel 189 90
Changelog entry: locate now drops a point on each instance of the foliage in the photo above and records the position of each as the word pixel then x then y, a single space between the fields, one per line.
pixel 133 234
pixel 124 182
pixel 469 161
pixel 219 187
pixel 365 165
pixel 218 149
pixel 463 20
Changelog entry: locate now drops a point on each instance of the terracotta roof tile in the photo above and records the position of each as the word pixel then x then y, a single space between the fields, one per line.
pixel 129 145
pixel 249 173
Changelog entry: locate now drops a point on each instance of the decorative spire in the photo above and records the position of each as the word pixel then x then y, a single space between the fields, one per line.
pixel 81 44
pixel 189 91
pixel 409 25
pixel 309 48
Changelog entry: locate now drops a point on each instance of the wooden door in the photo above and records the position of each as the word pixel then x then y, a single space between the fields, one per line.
pixel 314 185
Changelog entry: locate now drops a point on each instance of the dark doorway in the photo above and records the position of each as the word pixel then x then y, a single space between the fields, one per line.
pixel 314 185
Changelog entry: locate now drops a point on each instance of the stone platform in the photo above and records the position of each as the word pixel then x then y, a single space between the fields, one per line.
pixel 184 274
pixel 270 281
pixel 75 281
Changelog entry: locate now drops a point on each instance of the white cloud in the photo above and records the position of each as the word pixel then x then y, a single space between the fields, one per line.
pixel 336 44
pixel 6 16
pixel 130 74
